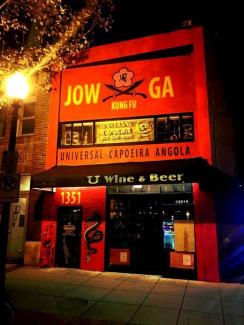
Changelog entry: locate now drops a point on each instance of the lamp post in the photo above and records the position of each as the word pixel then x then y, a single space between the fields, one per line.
pixel 17 90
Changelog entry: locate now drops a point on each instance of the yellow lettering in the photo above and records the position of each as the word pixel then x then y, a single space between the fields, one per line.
pixel 67 201
pixel 79 195
pixel 163 178
pixel 78 95
pixel 130 179
pixel 92 93
pixel 154 90
pixel 154 178
pixel 172 177
pixel 167 87
pixel 179 177
pixel 62 197
pixel 73 197
pixel 68 100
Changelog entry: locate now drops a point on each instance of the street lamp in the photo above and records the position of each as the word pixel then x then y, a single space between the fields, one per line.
pixel 17 86
pixel 16 89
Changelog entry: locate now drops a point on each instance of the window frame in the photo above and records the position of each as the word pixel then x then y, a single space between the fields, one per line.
pixel 22 118
pixel 72 125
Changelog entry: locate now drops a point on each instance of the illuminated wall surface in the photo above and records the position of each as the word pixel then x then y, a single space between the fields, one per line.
pixel 136 101
pixel 130 103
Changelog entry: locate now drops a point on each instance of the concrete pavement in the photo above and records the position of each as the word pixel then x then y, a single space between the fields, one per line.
pixel 72 296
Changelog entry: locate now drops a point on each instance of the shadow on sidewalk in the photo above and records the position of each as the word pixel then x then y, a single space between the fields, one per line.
pixel 12 267
pixel 37 318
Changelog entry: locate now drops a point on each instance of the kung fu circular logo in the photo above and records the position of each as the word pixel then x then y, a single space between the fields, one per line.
pixel 123 84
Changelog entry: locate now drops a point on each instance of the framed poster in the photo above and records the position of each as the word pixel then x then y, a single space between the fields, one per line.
pixel 124 131
pixel 119 256
pixel 182 260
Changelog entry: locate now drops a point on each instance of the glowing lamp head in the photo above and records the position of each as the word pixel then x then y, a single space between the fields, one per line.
pixel 17 86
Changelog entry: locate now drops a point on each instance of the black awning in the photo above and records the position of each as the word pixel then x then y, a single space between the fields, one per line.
pixel 175 171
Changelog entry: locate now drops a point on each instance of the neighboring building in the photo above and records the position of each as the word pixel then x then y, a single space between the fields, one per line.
pixel 31 141
pixel 129 183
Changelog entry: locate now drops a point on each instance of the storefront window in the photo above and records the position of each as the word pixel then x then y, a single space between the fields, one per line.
pixel 162 128
pixel 87 133
pixel 175 128
pixel 187 127
pixel 66 130
pixel 167 128
pixel 76 134
pixel 152 188
pixel 182 187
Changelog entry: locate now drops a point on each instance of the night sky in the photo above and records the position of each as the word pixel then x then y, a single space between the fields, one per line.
pixel 222 24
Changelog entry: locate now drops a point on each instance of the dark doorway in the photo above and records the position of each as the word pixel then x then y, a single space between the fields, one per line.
pixel 135 223
pixel 147 246
pixel 69 237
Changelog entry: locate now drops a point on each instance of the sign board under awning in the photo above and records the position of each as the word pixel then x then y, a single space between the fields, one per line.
pixel 158 172
pixel 144 178
pixel 162 172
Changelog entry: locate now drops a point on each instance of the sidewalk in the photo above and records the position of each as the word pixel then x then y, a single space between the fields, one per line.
pixel 71 296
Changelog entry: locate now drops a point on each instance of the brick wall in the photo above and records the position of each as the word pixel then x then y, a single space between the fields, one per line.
pixel 33 226
pixel 36 149
pixel 31 151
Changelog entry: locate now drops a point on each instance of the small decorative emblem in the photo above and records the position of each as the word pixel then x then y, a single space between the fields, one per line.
pixel 124 79
pixel 92 235
pixel 69 228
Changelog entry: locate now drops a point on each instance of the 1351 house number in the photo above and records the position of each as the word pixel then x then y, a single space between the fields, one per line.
pixel 70 197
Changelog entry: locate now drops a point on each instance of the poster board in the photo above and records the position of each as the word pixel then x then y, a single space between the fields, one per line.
pixel 184 236
pixel 119 256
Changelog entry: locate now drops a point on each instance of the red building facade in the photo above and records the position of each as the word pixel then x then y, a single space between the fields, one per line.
pixel 129 156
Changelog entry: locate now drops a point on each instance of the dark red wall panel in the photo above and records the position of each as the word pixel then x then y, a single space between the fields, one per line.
pixel 206 235
pixel 48 243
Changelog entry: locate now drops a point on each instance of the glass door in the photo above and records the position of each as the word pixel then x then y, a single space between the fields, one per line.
pixel 69 237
